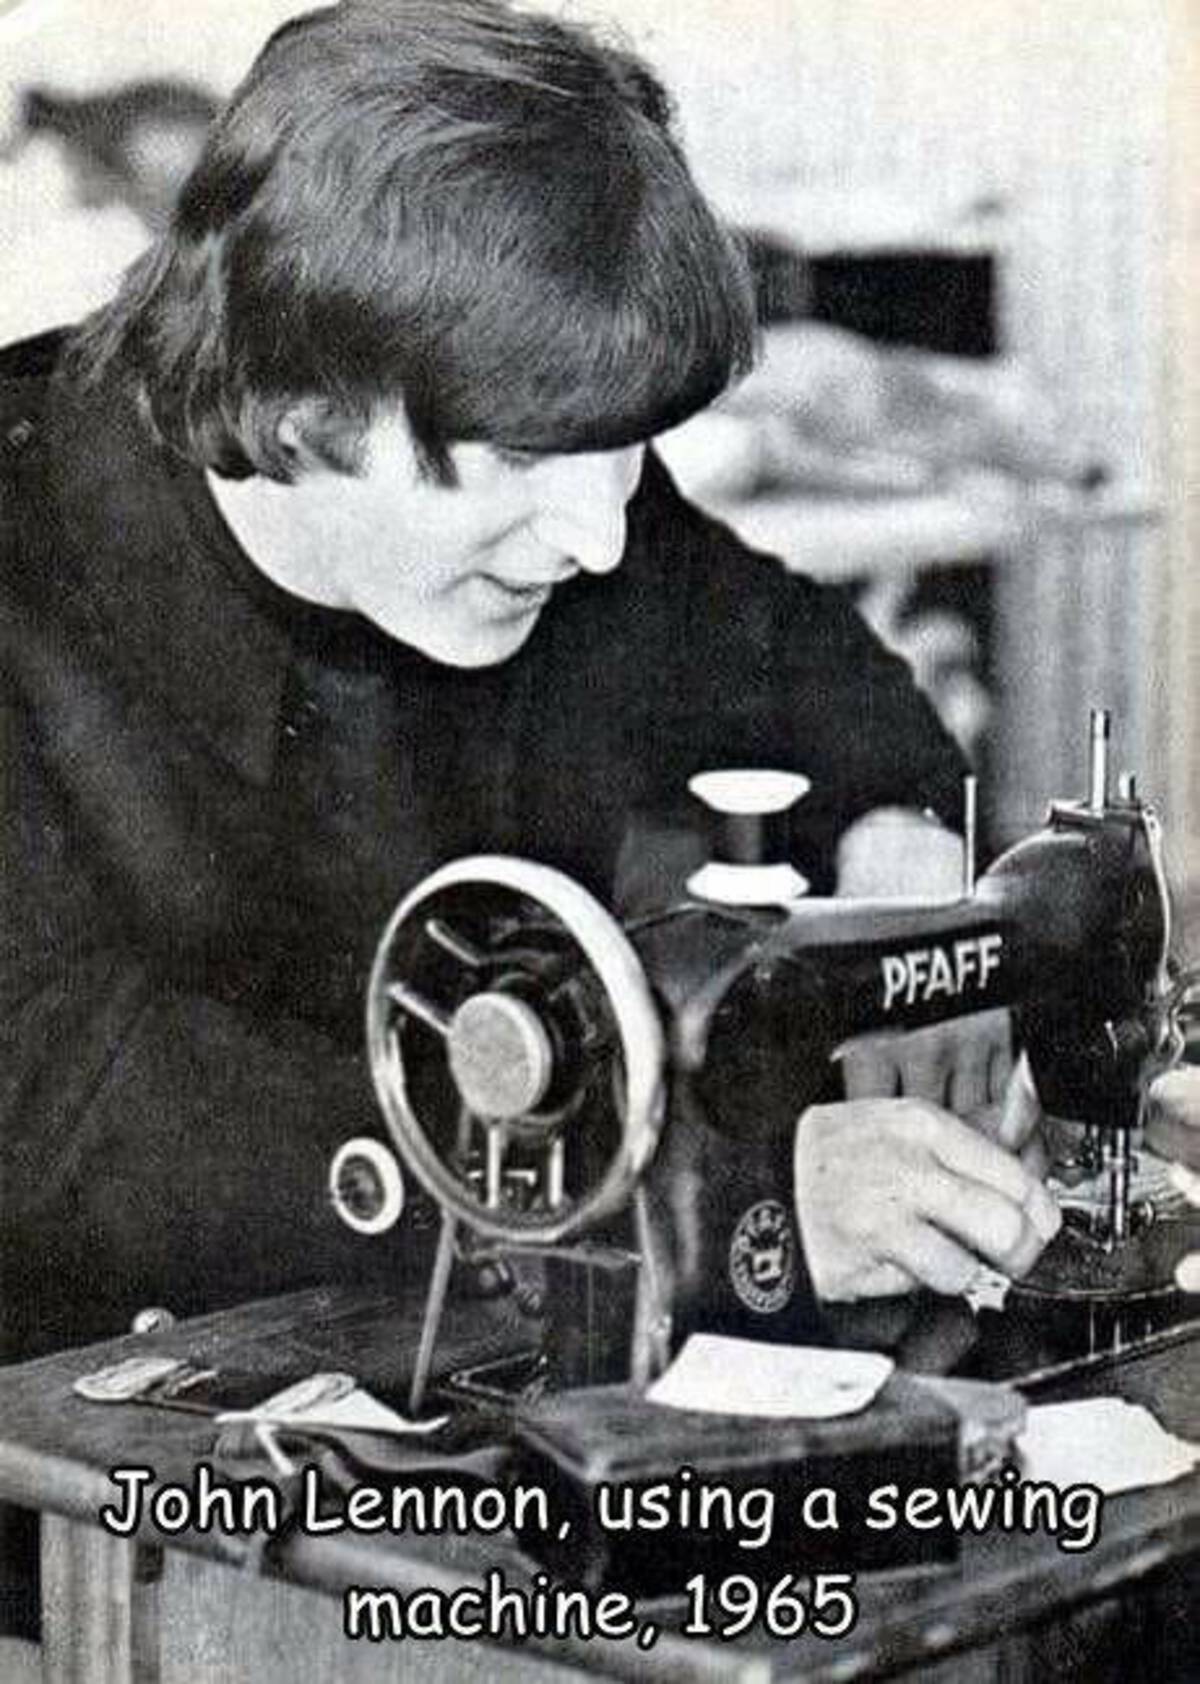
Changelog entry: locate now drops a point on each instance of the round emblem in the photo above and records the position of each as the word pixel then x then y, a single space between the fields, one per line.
pixel 762 1257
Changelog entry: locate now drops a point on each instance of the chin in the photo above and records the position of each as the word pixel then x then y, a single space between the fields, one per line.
pixel 485 645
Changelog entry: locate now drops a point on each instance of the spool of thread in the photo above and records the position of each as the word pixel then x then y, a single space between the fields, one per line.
pixel 750 838
pixel 748 815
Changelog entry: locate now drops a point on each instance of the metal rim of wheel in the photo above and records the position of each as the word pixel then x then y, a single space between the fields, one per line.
pixel 611 956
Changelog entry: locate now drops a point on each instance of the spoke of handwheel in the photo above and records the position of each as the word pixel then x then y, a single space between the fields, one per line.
pixel 555 1166
pixel 496 1140
pixel 416 1005
pixel 456 945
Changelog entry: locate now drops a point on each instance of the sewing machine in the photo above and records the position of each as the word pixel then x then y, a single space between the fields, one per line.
pixel 621 1101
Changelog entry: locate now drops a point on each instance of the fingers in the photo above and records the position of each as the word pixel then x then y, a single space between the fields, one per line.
pixel 971 1158
pixel 988 1225
pixel 1173 1116
pixel 982 1061
pixel 1172 1138
pixel 1178 1093
pixel 971 1078
pixel 962 1064
pixel 919 1064
pixel 933 1259
pixel 924 1066
pixel 881 1279
pixel 1035 1158
pixel 979 1201
pixel 1187 1182
pixel 1173 1130
pixel 896 1192
pixel 1021 1110
pixel 1001 1066
pixel 869 1069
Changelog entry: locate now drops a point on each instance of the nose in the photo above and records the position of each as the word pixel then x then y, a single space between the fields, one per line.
pixel 582 505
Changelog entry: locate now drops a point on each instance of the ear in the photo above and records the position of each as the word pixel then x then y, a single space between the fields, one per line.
pixel 296 433
pixel 311 434
pixel 290 431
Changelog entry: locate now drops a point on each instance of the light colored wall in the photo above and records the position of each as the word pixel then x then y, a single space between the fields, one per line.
pixel 1079 122
pixel 85 44
pixel 1174 707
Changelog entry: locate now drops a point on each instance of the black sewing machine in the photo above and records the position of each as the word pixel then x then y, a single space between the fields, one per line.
pixel 620 1101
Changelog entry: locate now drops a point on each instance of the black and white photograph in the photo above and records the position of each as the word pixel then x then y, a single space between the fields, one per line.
pixel 600 891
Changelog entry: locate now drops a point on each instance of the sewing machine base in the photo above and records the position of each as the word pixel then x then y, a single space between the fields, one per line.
pixel 1031 1338
pixel 1076 1265
pixel 1033 1341
pixel 1028 1342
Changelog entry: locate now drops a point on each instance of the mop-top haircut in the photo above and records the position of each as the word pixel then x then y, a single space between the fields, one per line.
pixel 479 213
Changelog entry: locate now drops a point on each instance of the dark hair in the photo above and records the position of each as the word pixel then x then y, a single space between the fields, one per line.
pixel 479 212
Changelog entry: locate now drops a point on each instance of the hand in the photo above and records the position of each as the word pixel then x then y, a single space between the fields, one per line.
pixel 964 1064
pixel 894 853
pixel 894 1194
pixel 1173 1116
pixel 1173 1131
pixel 1017 1122
pixel 1187 1270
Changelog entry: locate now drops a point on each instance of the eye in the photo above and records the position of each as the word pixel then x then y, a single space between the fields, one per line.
pixel 521 460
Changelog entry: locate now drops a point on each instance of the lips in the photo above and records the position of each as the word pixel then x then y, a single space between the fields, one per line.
pixel 526 593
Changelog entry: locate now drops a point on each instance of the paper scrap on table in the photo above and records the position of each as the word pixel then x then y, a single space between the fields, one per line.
pixel 1103 1441
pixel 358 1411
pixel 742 1377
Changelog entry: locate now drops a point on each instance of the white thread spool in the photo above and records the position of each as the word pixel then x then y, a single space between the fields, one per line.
pixel 750 837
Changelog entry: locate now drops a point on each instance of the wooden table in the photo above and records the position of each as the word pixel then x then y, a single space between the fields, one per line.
pixel 131 1612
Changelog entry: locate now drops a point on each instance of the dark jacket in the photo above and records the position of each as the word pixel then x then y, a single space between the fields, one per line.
pixel 215 797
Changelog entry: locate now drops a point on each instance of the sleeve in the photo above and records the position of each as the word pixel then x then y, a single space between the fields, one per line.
pixel 158 1145
pixel 777 669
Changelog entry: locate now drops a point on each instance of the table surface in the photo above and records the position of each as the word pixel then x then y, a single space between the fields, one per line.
pixel 56 1451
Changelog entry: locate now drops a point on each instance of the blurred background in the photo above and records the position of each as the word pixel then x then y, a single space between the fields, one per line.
pixel 975 233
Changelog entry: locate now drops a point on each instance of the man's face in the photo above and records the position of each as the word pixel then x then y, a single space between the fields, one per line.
pixel 462 572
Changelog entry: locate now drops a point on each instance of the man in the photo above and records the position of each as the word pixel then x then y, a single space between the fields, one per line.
pixel 335 549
